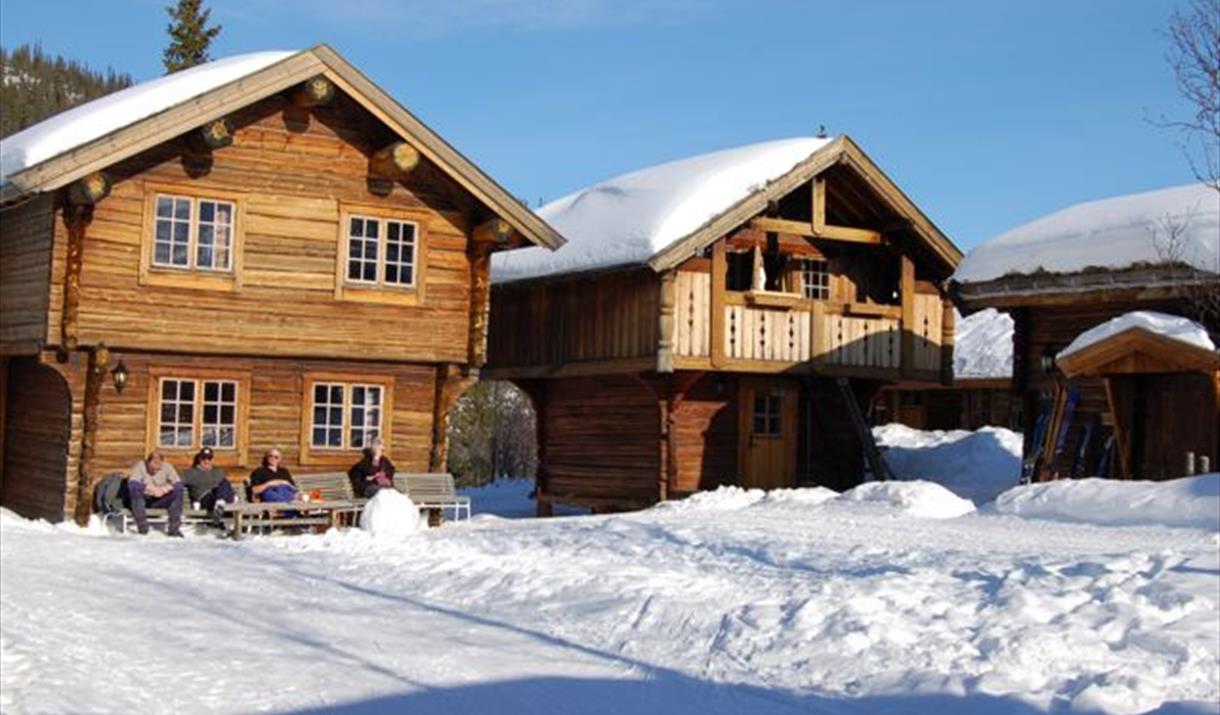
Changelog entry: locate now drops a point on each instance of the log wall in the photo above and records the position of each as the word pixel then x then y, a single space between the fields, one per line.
pixel 547 324
pixel 294 173
pixel 705 431
pixel 25 275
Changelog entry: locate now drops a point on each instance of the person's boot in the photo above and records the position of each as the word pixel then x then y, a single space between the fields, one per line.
pixel 175 534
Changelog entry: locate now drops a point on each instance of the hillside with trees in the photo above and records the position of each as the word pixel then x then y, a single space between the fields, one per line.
pixel 36 85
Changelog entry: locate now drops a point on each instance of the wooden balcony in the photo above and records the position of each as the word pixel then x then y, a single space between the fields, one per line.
pixel 777 332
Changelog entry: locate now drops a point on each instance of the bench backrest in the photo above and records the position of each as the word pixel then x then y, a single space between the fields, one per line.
pixel 333 485
pixel 426 486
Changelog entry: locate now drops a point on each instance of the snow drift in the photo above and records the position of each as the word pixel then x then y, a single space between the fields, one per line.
pixel 983 345
pixel 1189 502
pixel 920 499
pixel 974 465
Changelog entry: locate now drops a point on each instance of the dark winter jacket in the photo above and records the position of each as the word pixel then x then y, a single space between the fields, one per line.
pixel 364 473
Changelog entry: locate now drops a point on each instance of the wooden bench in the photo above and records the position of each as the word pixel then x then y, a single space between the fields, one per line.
pixel 433 490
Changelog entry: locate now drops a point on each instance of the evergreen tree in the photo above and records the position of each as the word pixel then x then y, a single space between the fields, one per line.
pixel 34 86
pixel 190 36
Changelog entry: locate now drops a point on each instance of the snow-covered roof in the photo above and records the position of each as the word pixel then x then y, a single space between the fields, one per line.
pixel 630 218
pixel 1174 327
pixel 84 123
pixel 1112 233
pixel 982 347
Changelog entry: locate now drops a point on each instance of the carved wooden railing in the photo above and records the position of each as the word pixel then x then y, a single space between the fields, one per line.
pixel 861 340
pixel 753 333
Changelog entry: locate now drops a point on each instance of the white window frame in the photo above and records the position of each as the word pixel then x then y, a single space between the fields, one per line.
pixel 811 289
pixel 383 239
pixel 193 221
pixel 347 425
pixel 197 427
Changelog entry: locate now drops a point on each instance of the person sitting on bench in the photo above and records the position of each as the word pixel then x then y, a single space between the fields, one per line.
pixel 153 482
pixel 373 473
pixel 207 484
pixel 271 482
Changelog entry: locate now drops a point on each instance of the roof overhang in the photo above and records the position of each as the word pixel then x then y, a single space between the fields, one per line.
pixel 839 151
pixel 1135 284
pixel 63 169
pixel 1138 351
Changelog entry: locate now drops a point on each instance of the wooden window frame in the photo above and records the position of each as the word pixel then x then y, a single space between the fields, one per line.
pixel 380 291
pixel 235 456
pixel 190 276
pixel 772 418
pixel 803 270
pixel 311 454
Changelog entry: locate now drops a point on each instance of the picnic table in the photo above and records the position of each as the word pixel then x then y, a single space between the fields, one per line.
pixel 326 512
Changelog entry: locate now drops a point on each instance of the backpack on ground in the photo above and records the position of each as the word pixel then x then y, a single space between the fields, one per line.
pixel 108 495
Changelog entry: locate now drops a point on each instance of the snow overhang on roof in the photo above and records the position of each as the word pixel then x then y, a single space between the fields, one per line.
pixel 982 346
pixel 1153 342
pixel 97 134
pixel 661 215
pixel 1179 225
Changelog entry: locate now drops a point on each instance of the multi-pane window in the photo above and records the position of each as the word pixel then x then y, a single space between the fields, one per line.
pixel 345 415
pixel 815 279
pixel 381 251
pixel 193 233
pixel 766 414
pixel 197 413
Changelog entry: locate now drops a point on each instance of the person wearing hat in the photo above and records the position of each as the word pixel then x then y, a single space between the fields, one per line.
pixel 207 484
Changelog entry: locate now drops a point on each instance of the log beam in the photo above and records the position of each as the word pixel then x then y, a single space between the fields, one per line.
pixel 77 219
pixel 394 161
pixel 217 133
pixel 826 232
pixel 450 384
pixel 716 303
pixel 90 189
pixel 313 92
pixel 907 288
pixel 479 254
pixel 665 322
pixel 496 230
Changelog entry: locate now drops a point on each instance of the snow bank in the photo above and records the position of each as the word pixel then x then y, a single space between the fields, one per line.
pixel 974 465
pixel 922 499
pixel 82 124
pixel 1190 502
pixel 629 218
pixel 392 514
pixel 733 498
pixel 1174 327
pixel 1111 233
pixel 983 345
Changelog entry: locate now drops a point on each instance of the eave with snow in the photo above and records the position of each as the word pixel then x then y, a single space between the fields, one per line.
pixel 707 307
pixel 268 248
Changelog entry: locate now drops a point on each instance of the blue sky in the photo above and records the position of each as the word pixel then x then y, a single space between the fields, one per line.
pixel 987 113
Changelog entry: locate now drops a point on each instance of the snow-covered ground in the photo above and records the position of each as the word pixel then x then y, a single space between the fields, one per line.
pixel 879 601
pixel 974 465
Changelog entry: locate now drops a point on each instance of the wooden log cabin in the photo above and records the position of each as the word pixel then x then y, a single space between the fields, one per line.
pixel 262 251
pixel 1143 408
pixel 692 331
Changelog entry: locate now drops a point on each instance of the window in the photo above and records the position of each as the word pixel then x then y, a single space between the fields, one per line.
pixel 194 413
pixel 740 270
pixel 345 415
pixel 193 233
pixel 815 279
pixel 766 414
pixel 381 251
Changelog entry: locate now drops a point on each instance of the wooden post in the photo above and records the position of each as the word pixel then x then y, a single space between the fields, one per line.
pixel 664 453
pixel 479 253
pixel 818 335
pixel 315 91
pixel 99 365
pixel 449 386
pixel 665 323
pixel 948 336
pixel 537 394
pixel 819 205
pixel 908 315
pixel 1122 439
pixel 716 303
pixel 77 218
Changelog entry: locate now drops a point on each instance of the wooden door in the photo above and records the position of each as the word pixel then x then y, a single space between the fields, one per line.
pixel 768 431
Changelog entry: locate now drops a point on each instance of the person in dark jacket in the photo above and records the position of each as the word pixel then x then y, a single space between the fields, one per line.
pixel 206 484
pixel 271 482
pixel 372 473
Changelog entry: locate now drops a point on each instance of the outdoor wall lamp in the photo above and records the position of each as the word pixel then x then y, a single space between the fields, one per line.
pixel 119 375
pixel 1047 361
